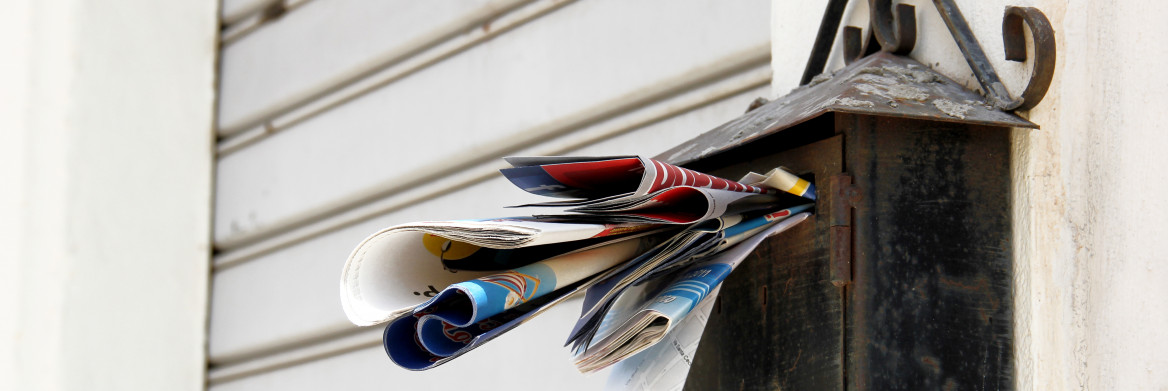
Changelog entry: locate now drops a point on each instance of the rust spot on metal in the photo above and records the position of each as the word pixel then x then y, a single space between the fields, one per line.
pixel 762 295
pixel 787 286
pixel 795 363
pixel 920 290
pixel 841 255
pixel 932 363
pixel 981 285
pixel 852 195
pixel 842 200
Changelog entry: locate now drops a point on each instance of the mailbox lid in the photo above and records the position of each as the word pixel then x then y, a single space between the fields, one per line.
pixel 882 84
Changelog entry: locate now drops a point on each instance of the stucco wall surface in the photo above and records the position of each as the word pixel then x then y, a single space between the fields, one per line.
pixel 1089 206
pixel 105 177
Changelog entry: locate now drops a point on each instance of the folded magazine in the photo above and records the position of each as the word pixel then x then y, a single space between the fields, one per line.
pixel 644 245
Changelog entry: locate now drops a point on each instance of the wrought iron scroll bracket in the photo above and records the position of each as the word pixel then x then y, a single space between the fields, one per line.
pixel 1014 40
pixel 991 84
pixel 853 44
pixel 823 40
pixel 898 35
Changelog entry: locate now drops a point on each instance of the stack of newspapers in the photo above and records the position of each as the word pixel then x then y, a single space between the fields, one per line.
pixel 646 244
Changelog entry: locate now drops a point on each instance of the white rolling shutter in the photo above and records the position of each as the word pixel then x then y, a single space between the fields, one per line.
pixel 340 117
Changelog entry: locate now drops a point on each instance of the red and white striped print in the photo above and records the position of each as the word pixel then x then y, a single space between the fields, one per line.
pixel 668 175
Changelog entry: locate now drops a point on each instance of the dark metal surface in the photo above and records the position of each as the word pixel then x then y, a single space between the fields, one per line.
pixel 881 84
pixel 840 186
pixel 896 35
pixel 1014 40
pixel 853 44
pixel 841 255
pixel 925 299
pixel 903 278
pixel 780 326
pixel 824 39
pixel 930 304
pixel 845 195
pixel 991 84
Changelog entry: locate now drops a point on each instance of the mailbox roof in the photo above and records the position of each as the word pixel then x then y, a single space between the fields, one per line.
pixel 881 84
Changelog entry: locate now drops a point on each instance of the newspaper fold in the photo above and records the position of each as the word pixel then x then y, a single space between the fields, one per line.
pixel 638 320
pixel 665 365
pixel 694 243
pixel 467 314
pixel 402 266
pixel 647 242
pixel 412 355
pixel 631 188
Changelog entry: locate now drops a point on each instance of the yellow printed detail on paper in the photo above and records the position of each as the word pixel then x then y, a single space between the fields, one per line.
pixel 448 249
pixel 800 187
pixel 785 181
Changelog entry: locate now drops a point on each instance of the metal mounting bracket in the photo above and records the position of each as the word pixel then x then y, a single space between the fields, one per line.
pixel 897 34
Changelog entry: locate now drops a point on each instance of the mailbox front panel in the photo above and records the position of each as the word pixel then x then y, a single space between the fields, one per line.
pixel 779 320
pixel 925 301
pixel 930 307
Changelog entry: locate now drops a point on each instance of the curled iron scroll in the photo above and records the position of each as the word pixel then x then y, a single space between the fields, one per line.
pixel 1014 40
pixel 853 44
pixel 896 35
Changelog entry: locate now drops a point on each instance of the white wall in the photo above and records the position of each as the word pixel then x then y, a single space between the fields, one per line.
pixel 106 110
pixel 1089 201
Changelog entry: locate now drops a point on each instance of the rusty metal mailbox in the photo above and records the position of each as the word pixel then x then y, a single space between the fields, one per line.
pixel 902 279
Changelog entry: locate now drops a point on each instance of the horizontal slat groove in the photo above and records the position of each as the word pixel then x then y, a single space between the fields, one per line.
pixel 341 338
pixel 472 175
pixel 231 33
pixel 450 31
pixel 380 79
pixel 306 351
pixel 314 337
pixel 661 90
pixel 243 13
pixel 249 354
pixel 319 360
